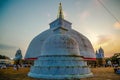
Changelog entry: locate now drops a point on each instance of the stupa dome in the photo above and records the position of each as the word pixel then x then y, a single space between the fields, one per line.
pixel 85 47
pixel 60 44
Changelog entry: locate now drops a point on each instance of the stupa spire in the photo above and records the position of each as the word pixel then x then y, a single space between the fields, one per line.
pixel 60 12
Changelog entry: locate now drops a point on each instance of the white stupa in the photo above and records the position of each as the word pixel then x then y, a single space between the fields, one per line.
pixel 85 47
pixel 18 55
pixel 60 57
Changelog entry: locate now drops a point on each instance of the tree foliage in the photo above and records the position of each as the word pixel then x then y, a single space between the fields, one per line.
pixel 114 58
pixel 4 57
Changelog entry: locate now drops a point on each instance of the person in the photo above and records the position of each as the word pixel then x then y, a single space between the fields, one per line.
pixel 118 71
pixel 116 64
pixel 3 66
pixel 109 63
pixel 17 67
pixel 14 67
pixel 115 69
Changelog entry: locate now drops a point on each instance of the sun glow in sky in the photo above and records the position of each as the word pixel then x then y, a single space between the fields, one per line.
pixel 22 20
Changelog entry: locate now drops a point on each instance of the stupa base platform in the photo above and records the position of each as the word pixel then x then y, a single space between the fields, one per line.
pixel 60 68
pixel 59 77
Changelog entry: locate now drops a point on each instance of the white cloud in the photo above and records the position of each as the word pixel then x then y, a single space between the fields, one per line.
pixel 6 47
pixel 103 39
pixel 96 3
pixel 84 15
pixel 48 14
pixel 117 25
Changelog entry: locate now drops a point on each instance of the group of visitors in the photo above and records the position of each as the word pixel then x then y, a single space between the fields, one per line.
pixel 116 68
pixel 17 66
pixel 3 66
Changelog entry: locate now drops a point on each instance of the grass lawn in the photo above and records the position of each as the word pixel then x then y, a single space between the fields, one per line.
pixel 21 74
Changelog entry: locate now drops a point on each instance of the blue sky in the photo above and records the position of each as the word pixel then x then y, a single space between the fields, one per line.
pixel 22 20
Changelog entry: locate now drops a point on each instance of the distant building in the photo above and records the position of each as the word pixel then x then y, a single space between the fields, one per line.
pixel 100 58
pixel 18 56
pixel 6 61
pixel 100 53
